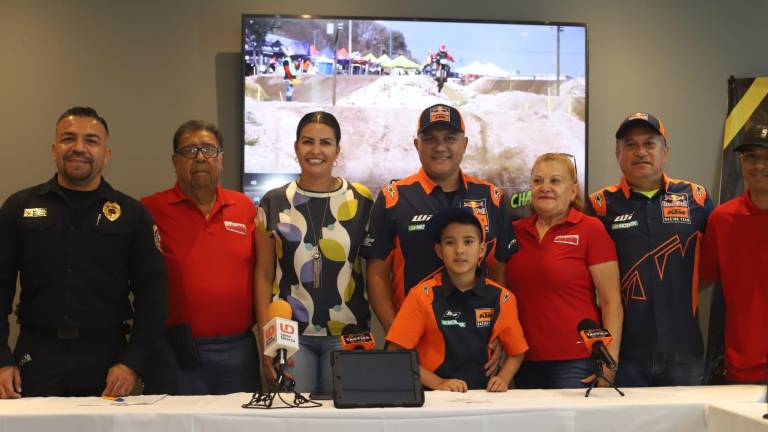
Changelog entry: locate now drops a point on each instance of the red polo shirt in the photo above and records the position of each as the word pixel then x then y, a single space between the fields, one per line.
pixel 553 285
pixel 209 262
pixel 735 252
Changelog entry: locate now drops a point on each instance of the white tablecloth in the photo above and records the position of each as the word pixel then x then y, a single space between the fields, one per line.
pixel 737 417
pixel 643 409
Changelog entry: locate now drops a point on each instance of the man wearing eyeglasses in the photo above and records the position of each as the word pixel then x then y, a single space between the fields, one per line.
pixel 657 223
pixel 206 237
pixel 79 249
pixel 735 253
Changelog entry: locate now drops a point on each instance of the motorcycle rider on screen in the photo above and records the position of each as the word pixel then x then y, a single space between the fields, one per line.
pixel 442 68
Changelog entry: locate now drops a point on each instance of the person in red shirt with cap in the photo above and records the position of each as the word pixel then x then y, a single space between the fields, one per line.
pixel 735 253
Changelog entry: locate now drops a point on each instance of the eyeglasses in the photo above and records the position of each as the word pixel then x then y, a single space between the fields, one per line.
pixel 572 158
pixel 190 152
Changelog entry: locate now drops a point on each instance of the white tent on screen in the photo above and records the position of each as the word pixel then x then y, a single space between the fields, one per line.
pixel 483 69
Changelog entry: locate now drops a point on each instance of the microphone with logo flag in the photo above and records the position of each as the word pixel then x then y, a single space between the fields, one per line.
pixel 281 334
pixel 596 340
pixel 281 341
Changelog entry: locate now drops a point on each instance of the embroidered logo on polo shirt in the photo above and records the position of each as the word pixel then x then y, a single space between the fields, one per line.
pixel 35 212
pixel 572 239
pixel 496 194
pixel 156 238
pixel 505 297
pixel 624 221
pixel 390 190
pixel 623 218
pixel 625 225
pixel 599 200
pixel 483 317
pixel 235 227
pixel 368 241
pixel 451 318
pixel 675 209
pixel 421 218
pixel 479 210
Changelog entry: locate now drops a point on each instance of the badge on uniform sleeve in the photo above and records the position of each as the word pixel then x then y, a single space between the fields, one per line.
pixel 156 237
pixel 111 210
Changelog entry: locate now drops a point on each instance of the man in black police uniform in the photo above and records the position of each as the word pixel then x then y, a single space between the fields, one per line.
pixel 80 248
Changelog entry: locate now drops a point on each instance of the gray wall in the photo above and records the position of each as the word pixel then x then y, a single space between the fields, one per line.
pixel 149 65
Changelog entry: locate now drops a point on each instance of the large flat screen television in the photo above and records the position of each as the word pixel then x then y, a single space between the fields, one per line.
pixel 521 88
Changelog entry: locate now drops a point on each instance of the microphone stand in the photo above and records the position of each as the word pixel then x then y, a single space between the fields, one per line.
pixel 597 366
pixel 283 384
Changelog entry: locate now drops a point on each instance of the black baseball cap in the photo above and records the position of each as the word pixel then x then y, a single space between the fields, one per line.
pixel 755 135
pixel 461 215
pixel 641 118
pixel 440 114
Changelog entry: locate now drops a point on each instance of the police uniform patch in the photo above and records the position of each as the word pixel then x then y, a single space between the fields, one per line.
pixel 675 209
pixel 35 212
pixel 156 237
pixel 111 210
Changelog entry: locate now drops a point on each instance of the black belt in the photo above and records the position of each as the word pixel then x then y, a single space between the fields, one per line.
pixel 68 332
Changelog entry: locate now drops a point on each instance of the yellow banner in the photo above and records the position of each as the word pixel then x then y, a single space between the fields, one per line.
pixel 744 109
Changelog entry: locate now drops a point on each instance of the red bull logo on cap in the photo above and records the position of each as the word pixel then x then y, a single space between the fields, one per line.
pixel 439 113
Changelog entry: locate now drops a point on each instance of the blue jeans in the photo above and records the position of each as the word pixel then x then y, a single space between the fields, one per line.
pixel 659 369
pixel 228 364
pixel 553 374
pixel 312 364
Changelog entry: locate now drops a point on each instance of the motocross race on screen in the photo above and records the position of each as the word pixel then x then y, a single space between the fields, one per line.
pixel 521 88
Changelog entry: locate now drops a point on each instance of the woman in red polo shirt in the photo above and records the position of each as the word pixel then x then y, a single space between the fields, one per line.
pixel 564 258
pixel 308 237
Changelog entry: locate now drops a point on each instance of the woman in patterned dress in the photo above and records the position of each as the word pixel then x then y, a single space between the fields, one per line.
pixel 307 243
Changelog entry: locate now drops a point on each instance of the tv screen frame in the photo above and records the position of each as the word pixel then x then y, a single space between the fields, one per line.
pixel 518 199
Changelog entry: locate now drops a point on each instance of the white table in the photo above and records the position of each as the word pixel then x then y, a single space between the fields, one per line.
pixel 643 409
pixel 737 417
